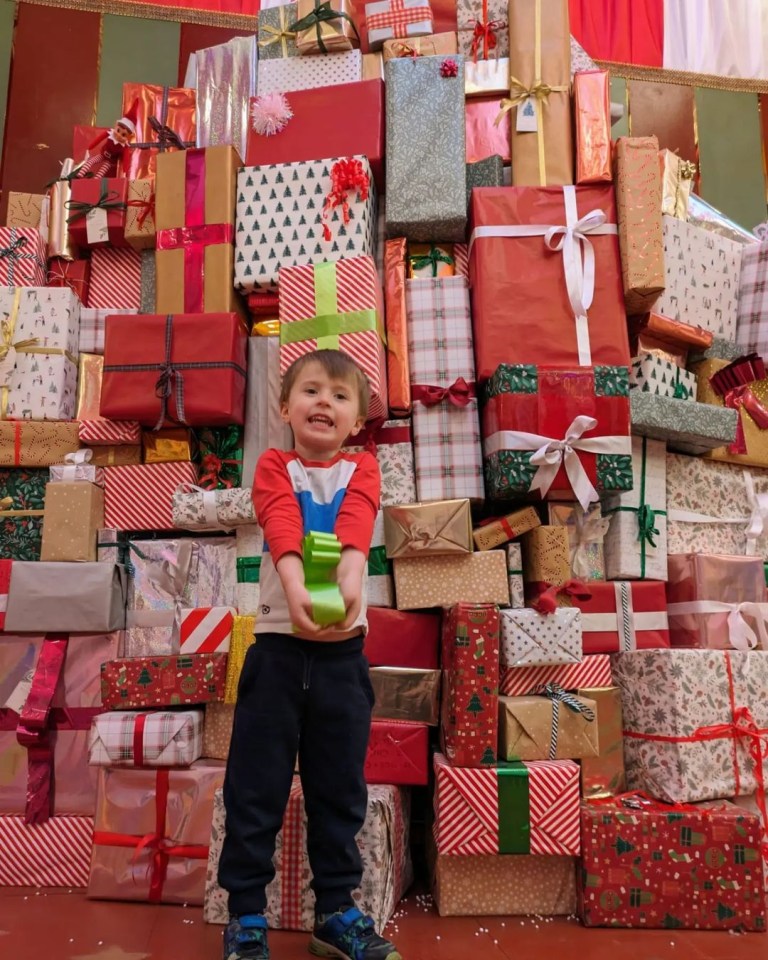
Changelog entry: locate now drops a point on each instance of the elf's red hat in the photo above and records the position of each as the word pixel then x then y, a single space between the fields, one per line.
pixel 131 116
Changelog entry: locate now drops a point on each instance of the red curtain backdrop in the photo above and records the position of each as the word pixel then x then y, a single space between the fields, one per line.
pixel 626 31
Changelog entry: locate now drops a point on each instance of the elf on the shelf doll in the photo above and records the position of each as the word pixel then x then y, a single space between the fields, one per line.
pixel 110 147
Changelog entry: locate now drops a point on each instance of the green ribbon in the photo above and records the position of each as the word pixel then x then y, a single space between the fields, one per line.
pixel 322 552
pixel 320 15
pixel 220 451
pixel 432 259
pixel 248 569
pixel 765 570
pixel 107 201
pixel 514 808
pixel 378 565
pixel 681 392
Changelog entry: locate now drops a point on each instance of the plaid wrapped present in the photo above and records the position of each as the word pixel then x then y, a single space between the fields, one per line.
pixel 165 738
pixel 752 315
pixel 446 428
pixel 92 327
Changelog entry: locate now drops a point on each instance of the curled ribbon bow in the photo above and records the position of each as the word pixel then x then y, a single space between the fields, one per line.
pixel 347 176
pixel 485 33
pixel 13 247
pixel 459 393
pixel 546 602
pixel 646 525
pixel 555 693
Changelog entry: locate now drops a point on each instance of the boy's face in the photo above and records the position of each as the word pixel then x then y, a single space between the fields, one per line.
pixel 322 412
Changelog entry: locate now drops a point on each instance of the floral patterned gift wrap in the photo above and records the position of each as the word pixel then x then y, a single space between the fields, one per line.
pixel 22 503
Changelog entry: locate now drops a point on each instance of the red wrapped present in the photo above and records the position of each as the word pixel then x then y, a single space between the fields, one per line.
pixel 56 853
pixel 75 274
pixel 483 137
pixel 101 432
pixel 139 496
pixel 184 368
pixel 5 582
pixel 470 661
pixel 151 833
pixel 262 304
pixel 165 120
pixel 591 672
pixel 677 867
pixel 115 279
pixel 22 257
pixel 51 694
pixel 546 277
pixel 338 306
pixel 97 212
pixel 622 615
pixel 308 134
pixel 398 753
pixel 399 639
pixel 138 682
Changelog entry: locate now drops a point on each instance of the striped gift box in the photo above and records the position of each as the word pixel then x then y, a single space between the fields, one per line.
pixel 593 671
pixel 56 853
pixel 5 582
pixel 483 811
pixel 115 279
pixel 104 433
pixel 206 630
pixel 140 496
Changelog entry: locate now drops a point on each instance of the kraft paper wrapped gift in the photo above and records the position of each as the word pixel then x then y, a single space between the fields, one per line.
pixel 384 849
pixel 249 541
pixel 391 19
pixel 116 279
pixel 717 601
pixel 604 775
pixel 173 108
pixel 426 152
pixel 593 671
pixel 59 679
pixel 515 575
pixel 22 506
pixel 490 14
pixel 217 730
pixel 504 885
pixel 140 214
pixel 195 216
pixel 702 277
pixel 24 209
pixel 685 426
pixel 398 753
pixel 402 639
pixel 701 870
pixel 140 682
pixel 288 74
pixel 56 853
pixel 284 219
pixel 661 377
pixel 680 708
pixel 446 431
pixel 317 32
pixel 470 661
pixel 540 53
pixel 428 46
pixel 74 514
pixel 27 443
pixel 92 322
pixel 392 444
pixel 140 496
pixel 175 808
pixel 532 639
pixel 635 545
pixel 547 728
pixel 197 509
pixel 483 138
pixel 275 37
pixel 41 383
pixel 592 122
pixel 424 582
pixel 586 532
pixel 437 528
pixel 677 176
pixel 546 558
pixel 406 693
pixel 157 739
pixel 622 615
pixel 496 532
pixel 511 808
pixel 23 263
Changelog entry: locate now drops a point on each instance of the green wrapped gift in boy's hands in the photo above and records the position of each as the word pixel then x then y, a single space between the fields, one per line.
pixel 322 553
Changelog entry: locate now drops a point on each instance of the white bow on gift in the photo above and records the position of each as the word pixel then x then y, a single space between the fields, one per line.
pixel 740 634
pixel 73 460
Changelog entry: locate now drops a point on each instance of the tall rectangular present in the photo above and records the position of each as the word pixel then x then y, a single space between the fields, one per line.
pixel 592 123
pixel 288 74
pixel 522 308
pixel 21 523
pixel 140 496
pixel 586 532
pixel 604 775
pixel 515 575
pixel 425 582
pixel 56 853
pixel 249 544
pixel 717 602
pixel 511 808
pixel 97 212
pixel 43 324
pixel 74 514
pixel 546 559
pixel 140 227
pixel 622 615
pixel 337 306
pixel 195 216
pixel 537 728
pixel 391 443
pixel 384 848
pixel 275 37
pixel 528 407
pixel 393 19
pixel 402 639
pixel 540 56
pixel 285 218
pixel 396 322
pixel 470 659
pixel 426 176
pixel 36 443
pixel 751 327
pixel 23 259
pixel 702 277
pixel 700 871
pixel 49 694
pixel 147 282
pixel 115 279
pixel 447 451
pixel 205 352
pixel 398 753
pixel 165 121
pixel 174 808
pixel 157 739
pixel 139 682
pixel 531 639
pixel 682 709
pixel 593 671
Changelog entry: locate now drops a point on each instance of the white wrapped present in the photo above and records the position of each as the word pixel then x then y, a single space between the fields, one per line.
pixel 532 639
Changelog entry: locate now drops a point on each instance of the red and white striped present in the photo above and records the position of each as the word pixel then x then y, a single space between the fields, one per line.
pixel 140 496
pixel 5 582
pixel 23 261
pixel 56 853
pixel 115 278
pixel 387 19
pixel 102 432
pixel 336 306
pixel 478 811
pixel 593 671
pixel 206 630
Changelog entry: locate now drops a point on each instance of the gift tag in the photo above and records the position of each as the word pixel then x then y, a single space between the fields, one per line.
pixel 18 696
pixel 96 229
pixel 527 121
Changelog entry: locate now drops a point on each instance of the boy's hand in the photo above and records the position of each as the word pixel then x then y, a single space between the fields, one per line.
pixel 300 608
pixel 349 576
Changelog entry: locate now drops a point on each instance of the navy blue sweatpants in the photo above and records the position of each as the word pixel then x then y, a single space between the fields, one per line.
pixel 311 699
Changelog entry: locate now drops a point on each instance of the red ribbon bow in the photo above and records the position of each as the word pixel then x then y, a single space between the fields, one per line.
pixel 449 68
pixel 147 207
pixel 347 176
pixel 732 383
pixel 546 603
pixel 459 393
pixel 485 32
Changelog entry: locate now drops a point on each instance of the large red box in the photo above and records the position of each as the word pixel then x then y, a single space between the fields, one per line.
pixel 309 134
pixel 398 753
pixel 399 639
pixel 621 616
pixel 520 297
pixel 149 353
pixel 89 194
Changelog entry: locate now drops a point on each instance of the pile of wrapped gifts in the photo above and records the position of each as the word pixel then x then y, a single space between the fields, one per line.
pixel 568 626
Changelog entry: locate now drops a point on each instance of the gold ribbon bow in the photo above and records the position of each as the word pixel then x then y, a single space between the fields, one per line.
pixel 277 36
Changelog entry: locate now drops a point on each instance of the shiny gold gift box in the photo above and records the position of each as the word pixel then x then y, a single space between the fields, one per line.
pixel 436 527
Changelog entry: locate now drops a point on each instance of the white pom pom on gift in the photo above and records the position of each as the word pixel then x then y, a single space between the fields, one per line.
pixel 270 114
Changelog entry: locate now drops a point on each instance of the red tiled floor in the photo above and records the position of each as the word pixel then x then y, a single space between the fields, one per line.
pixel 57 925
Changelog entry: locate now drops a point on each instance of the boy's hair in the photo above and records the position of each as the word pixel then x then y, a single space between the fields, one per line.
pixel 338 366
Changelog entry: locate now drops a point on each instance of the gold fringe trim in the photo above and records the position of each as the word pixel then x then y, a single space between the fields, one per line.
pixel 630 71
pixel 150 11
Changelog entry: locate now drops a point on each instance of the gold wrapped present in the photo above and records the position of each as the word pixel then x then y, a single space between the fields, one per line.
pixel 406 693
pixel 546 556
pixel 74 514
pixel 36 443
pixel 435 527
pixel 324 27
pixel 140 214
pixel 119 455
pixel 603 775
pixel 677 176
pixel 242 638
pixel 429 581
pixel 172 445
pixel 547 728
pixel 497 532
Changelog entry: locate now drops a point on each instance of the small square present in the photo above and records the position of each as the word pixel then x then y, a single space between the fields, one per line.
pixel 75 274
pixel 392 446
pixel 593 671
pixel 409 694
pixel 423 582
pixel 206 630
pixel 532 639
pixel 25 209
pixel 497 531
pixel 659 376
pixel 140 682
pixel 426 260
pixel 515 574
pixel 398 753
pixel 275 36
pixel 74 514
pixel 389 19
pixel 322 30
pixel 97 212
pixel 23 257
pixel 438 528
pixel 140 496
pixel 156 739
pixel 543 727
pixel 115 280
pixel 494 35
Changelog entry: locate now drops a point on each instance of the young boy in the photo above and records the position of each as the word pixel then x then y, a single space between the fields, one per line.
pixel 304 689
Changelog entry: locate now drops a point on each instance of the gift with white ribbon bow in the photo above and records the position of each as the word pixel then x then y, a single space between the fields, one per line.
pixel 198 509
pixel 77 466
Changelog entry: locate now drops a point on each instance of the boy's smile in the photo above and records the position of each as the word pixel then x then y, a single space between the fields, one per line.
pixel 322 412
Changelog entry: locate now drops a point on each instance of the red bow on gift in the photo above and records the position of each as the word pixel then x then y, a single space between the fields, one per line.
pixel 347 176
pixel 147 207
pixel 485 32
pixel 546 603
pixel 459 393
pixel 732 383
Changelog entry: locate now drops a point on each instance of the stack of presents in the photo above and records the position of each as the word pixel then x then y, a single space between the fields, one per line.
pixel 568 621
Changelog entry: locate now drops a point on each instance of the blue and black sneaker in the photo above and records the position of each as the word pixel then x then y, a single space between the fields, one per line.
pixel 246 938
pixel 349 935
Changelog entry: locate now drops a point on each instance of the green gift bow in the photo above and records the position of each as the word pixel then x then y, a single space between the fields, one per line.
pixel 378 565
pixel 220 450
pixel 248 569
pixel 322 14
pixel 322 552
pixel 681 391
pixel 432 259
pixel 107 201
pixel 514 808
